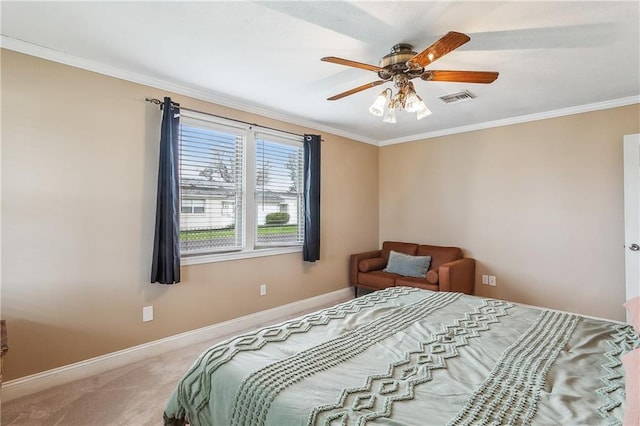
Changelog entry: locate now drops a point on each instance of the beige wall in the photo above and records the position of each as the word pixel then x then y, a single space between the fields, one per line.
pixel 539 205
pixel 79 167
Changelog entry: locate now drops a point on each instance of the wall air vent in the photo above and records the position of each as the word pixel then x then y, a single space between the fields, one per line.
pixel 457 97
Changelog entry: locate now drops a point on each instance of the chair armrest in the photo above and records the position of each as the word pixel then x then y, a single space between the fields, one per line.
pixel 355 259
pixel 458 275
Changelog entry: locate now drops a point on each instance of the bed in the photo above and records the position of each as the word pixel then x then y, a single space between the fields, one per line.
pixel 406 356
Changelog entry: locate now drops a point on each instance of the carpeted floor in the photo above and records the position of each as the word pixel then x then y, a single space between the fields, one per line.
pixel 132 395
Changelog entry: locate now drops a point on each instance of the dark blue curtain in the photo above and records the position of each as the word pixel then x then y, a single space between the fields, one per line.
pixel 165 267
pixel 311 245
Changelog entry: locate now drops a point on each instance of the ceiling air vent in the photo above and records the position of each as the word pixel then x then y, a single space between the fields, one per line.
pixel 457 97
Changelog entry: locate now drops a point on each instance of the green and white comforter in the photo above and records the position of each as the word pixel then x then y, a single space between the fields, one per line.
pixel 405 356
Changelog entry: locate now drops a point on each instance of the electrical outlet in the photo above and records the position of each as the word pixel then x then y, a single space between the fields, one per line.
pixel 263 289
pixel 492 280
pixel 147 314
pixel 485 279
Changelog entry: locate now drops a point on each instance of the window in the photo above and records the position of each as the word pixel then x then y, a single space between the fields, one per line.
pixel 279 177
pixel 191 206
pixel 245 185
pixel 228 207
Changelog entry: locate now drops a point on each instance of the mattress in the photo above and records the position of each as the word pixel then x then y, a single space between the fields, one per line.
pixel 406 356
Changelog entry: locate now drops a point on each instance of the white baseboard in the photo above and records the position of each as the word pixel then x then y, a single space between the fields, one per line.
pixel 47 379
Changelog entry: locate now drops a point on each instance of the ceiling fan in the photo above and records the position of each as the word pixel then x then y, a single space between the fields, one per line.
pixel 403 65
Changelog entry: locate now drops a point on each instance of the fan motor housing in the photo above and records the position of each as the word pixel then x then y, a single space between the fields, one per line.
pixel 396 62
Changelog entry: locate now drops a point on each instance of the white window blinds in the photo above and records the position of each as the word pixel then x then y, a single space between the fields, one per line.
pixel 278 191
pixel 240 188
pixel 211 186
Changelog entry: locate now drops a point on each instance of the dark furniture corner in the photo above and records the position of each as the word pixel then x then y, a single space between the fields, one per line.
pixel 4 345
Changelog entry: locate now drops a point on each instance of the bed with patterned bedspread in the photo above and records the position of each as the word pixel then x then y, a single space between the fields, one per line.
pixel 404 356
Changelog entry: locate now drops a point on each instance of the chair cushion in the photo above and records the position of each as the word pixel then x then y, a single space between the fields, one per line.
pixel 373 264
pixel 439 254
pixel 408 266
pixel 432 276
pixel 377 279
pixel 406 248
pixel 416 282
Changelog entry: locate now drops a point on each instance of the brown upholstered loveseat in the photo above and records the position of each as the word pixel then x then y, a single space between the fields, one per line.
pixel 448 270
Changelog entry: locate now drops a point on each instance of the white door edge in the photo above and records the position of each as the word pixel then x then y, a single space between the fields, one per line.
pixel 631 149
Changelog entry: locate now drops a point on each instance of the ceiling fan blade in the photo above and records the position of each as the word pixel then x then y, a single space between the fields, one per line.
pixel 349 63
pixel 484 77
pixel 356 90
pixel 450 41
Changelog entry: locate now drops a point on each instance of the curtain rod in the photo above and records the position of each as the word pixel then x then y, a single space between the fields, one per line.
pixel 160 103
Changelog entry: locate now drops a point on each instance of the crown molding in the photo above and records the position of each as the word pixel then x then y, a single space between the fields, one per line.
pixel 614 103
pixel 22 46
pixel 31 49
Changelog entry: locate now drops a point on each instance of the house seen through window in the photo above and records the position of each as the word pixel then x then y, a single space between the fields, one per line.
pixel 191 206
pixel 240 188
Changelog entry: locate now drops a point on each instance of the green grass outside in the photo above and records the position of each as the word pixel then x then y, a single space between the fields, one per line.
pixel 207 234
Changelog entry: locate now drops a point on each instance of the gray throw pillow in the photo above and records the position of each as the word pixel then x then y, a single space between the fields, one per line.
pixel 409 266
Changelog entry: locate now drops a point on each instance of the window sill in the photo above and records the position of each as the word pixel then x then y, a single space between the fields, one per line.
pixel 223 257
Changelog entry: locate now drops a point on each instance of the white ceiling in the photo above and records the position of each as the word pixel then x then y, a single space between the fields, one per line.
pixel 264 57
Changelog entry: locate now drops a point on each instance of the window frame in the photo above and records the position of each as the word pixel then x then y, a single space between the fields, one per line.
pixel 249 213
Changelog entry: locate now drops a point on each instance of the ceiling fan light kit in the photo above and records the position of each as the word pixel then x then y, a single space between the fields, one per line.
pixel 405 98
pixel 403 65
pixel 390 116
pixel 377 108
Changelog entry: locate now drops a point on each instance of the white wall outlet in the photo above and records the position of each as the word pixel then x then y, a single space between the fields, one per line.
pixel 147 314
pixel 492 280
pixel 263 289
pixel 485 279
